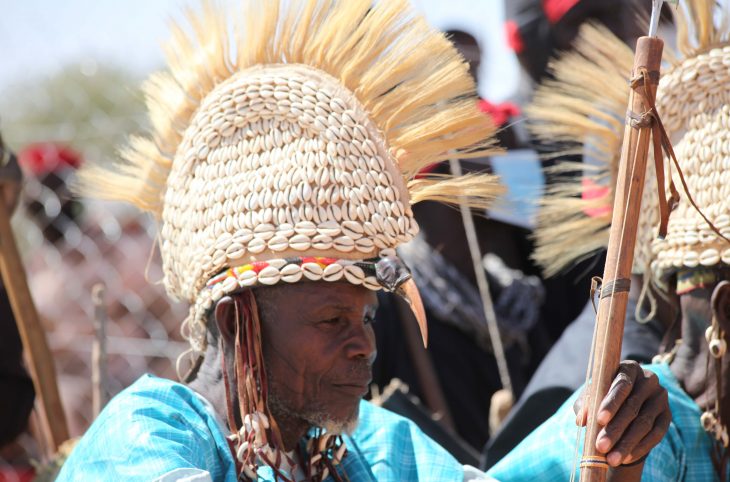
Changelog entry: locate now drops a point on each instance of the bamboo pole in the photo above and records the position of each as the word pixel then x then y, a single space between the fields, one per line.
pixel 42 370
pixel 622 239
pixel 100 395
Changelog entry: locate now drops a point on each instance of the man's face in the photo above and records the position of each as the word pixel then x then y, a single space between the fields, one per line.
pixel 319 347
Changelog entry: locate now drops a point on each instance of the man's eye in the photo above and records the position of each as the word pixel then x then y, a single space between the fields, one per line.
pixel 330 322
pixel 369 320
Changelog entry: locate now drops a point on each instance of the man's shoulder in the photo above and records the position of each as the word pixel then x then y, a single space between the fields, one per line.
pixel 383 436
pixel 152 427
pixel 376 420
pixel 153 400
pixel 370 411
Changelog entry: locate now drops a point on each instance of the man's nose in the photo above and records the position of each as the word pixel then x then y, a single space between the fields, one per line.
pixel 361 343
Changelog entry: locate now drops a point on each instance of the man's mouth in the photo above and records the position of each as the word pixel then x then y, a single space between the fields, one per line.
pixel 353 387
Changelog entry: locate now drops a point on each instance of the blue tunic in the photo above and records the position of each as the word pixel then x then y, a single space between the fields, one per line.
pixel 682 455
pixel 158 429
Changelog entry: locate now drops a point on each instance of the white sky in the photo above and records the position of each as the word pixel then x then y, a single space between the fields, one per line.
pixel 38 37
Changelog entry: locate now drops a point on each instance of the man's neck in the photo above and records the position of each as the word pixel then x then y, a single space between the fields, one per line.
pixel 291 428
pixel 209 383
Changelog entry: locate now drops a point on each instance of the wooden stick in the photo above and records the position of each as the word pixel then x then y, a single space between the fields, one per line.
pixel 617 272
pixel 100 394
pixel 31 333
pixel 431 390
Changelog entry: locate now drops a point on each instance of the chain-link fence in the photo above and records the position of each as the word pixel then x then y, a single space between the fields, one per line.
pixel 70 244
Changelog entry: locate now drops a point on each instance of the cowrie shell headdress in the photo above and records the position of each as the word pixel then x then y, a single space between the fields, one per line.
pixel 286 140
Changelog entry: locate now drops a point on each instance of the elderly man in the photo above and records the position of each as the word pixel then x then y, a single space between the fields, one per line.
pixel 282 164
pixel 689 268
pixel 14 379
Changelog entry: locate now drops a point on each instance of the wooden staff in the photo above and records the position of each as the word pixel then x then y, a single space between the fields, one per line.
pixel 99 380
pixel 31 332
pixel 622 239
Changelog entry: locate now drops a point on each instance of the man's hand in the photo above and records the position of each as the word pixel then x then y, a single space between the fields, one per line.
pixel 634 415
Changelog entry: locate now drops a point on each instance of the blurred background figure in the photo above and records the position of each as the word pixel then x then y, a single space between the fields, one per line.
pixel 538 31
pixel 69 244
pixel 458 375
pixel 79 246
pixel 16 385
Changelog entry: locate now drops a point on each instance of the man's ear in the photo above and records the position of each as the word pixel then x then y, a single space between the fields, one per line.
pixel 225 319
pixel 720 303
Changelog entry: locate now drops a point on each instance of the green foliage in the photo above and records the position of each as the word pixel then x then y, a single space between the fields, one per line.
pixel 89 108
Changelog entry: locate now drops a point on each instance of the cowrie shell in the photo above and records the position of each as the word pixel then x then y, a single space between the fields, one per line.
pixel 223 241
pixel 269 275
pixel 323 214
pixel 247 278
pixel 371 283
pixel 391 226
pixel 726 256
pixel 354 274
pixel 300 242
pixel 242 236
pixel 264 231
pixel 690 259
pixel 229 284
pixel 333 272
pixel 377 221
pixel 312 271
pixel 307 228
pixel 236 250
pixel 369 228
pixel 285 229
pixel 219 257
pixel 256 245
pixel 364 245
pixel 344 244
pixel 291 273
pixel 352 229
pixel 278 243
pixel 709 257
pixel 277 263
pixel 322 242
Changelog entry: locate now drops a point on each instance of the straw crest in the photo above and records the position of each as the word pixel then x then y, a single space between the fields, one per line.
pixel 287 139
pixel 584 107
pixel 693 100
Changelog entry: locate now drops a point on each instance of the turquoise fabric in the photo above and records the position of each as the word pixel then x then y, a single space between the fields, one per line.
pixel 158 426
pixel 683 455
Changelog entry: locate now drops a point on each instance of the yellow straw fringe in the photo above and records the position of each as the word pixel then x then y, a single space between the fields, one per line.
pixel 585 106
pixel 405 73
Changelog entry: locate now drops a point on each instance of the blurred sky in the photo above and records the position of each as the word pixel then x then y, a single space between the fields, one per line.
pixel 39 37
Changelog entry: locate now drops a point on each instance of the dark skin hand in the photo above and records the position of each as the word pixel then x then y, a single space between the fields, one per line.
pixel 634 415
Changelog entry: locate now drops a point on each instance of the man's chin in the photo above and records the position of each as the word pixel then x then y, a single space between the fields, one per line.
pixel 341 427
pixel 339 423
